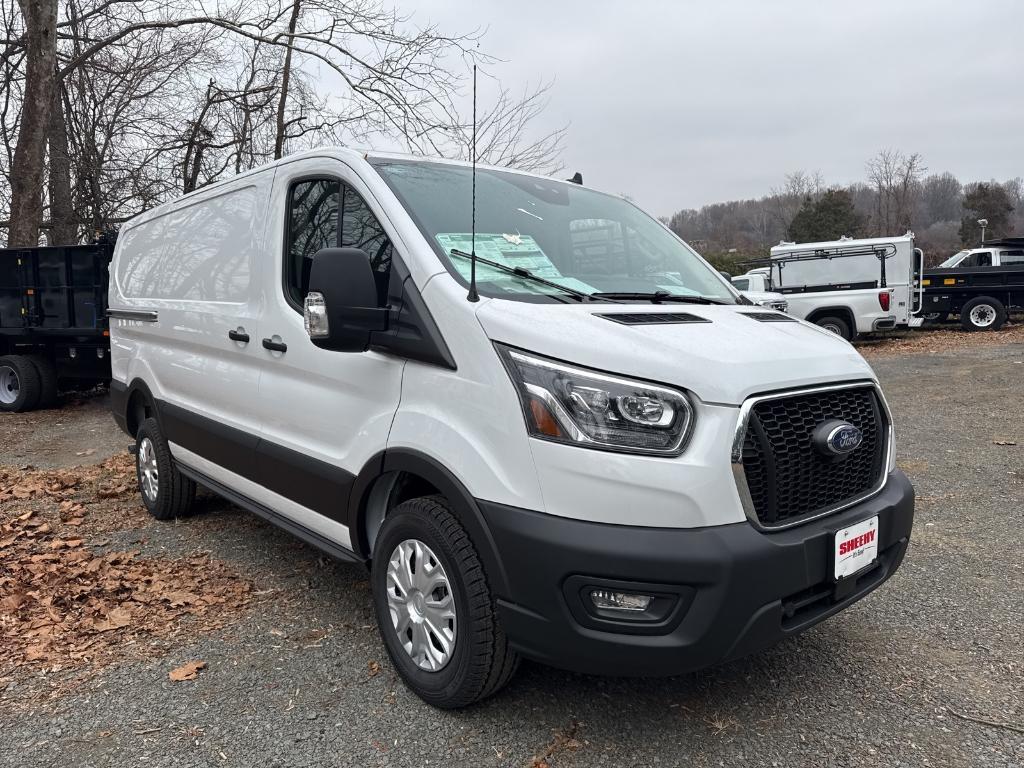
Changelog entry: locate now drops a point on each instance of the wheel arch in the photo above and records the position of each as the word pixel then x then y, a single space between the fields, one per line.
pixel 132 404
pixel 396 475
pixel 839 310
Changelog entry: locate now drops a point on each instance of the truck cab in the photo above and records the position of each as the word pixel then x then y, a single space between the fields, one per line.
pixel 991 255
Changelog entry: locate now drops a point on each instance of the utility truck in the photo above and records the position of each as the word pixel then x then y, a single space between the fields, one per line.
pixel 981 285
pixel 53 322
pixel 847 286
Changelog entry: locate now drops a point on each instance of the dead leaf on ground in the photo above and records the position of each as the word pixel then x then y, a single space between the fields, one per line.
pixel 374 668
pixel 1004 442
pixel 187 671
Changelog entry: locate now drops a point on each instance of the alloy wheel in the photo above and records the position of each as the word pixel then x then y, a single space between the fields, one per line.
pixel 149 473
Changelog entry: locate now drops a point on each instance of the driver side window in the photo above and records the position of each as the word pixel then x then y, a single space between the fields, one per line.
pixel 326 213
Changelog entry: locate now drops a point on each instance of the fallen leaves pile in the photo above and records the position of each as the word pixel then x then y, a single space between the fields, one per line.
pixel 938 341
pixel 65 602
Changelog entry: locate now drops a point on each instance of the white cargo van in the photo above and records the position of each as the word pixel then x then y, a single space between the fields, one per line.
pixel 606 462
pixel 849 286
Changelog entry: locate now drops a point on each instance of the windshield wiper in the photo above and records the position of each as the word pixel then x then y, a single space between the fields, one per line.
pixel 656 297
pixel 528 275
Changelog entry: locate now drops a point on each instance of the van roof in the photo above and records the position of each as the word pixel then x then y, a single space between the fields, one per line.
pixel 350 154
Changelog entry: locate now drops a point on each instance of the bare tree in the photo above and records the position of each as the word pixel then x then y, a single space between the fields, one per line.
pixel 27 166
pixel 896 178
pixel 504 134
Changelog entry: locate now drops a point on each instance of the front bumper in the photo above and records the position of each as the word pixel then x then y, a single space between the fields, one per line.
pixel 737 590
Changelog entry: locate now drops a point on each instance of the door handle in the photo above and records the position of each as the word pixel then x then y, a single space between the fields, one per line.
pixel 241 336
pixel 275 346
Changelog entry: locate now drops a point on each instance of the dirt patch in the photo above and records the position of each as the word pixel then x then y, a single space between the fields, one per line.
pixel 938 341
pixel 65 603
pixel 82 431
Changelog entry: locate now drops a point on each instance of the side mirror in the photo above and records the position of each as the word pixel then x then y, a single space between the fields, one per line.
pixel 725 274
pixel 341 306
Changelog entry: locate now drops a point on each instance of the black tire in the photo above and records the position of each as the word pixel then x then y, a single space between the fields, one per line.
pixel 19 384
pixel 481 661
pixel 836 325
pixel 983 313
pixel 174 493
pixel 47 380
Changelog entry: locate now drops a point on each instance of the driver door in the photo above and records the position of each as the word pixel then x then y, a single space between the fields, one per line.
pixel 326 413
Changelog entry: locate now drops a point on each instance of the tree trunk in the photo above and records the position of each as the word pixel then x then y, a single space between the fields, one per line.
pixel 285 77
pixel 63 223
pixel 30 153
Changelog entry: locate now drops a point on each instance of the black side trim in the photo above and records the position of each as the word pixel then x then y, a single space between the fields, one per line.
pixel 299 531
pixel 828 287
pixel 119 403
pixel 314 484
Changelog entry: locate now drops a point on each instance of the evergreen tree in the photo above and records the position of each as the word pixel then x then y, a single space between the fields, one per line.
pixel 985 201
pixel 828 218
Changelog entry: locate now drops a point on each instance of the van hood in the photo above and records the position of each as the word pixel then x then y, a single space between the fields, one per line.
pixel 723 357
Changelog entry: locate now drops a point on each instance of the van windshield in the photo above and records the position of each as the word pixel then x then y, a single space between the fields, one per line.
pixel 587 241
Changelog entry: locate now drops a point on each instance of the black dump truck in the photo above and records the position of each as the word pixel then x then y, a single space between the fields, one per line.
pixel 981 285
pixel 53 323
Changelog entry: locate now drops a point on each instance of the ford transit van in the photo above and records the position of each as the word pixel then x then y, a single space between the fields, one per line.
pixel 549 427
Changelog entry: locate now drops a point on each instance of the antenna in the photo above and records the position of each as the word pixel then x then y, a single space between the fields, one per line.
pixel 473 295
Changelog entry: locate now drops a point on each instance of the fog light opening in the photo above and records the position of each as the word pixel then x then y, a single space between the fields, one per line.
pixel 628 602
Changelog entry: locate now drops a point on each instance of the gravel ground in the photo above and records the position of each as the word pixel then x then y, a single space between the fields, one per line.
pixel 300 678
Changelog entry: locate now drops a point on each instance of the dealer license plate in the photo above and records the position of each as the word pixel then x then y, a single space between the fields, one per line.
pixel 856 547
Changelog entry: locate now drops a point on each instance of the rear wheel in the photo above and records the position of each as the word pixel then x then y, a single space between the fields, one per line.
pixel 47 380
pixel 836 325
pixel 434 608
pixel 20 387
pixel 166 492
pixel 983 314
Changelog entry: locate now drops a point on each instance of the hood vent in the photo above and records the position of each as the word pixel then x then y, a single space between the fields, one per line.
pixel 652 318
pixel 770 317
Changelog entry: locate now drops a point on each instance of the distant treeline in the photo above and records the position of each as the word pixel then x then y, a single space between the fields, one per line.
pixel 897 195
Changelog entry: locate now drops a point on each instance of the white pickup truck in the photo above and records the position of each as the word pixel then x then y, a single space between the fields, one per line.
pixel 846 286
pixel 990 255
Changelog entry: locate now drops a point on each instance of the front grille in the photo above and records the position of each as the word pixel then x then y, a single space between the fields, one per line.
pixel 787 478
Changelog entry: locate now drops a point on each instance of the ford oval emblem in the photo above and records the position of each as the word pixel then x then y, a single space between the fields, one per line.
pixel 837 438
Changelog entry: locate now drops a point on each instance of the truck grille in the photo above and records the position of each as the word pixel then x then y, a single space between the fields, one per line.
pixel 786 477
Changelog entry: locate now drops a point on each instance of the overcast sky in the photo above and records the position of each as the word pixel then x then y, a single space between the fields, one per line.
pixel 680 103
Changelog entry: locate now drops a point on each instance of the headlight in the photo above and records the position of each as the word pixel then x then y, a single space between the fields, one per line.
pixel 578 406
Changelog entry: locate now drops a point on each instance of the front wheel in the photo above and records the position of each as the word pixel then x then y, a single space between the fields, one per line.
pixel 434 608
pixel 982 314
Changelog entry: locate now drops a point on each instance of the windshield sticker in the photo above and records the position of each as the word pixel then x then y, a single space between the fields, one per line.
pixel 510 249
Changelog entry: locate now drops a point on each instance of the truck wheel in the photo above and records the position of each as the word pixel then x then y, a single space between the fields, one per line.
pixel 982 314
pixel 836 325
pixel 47 380
pixel 166 492
pixel 19 384
pixel 434 609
